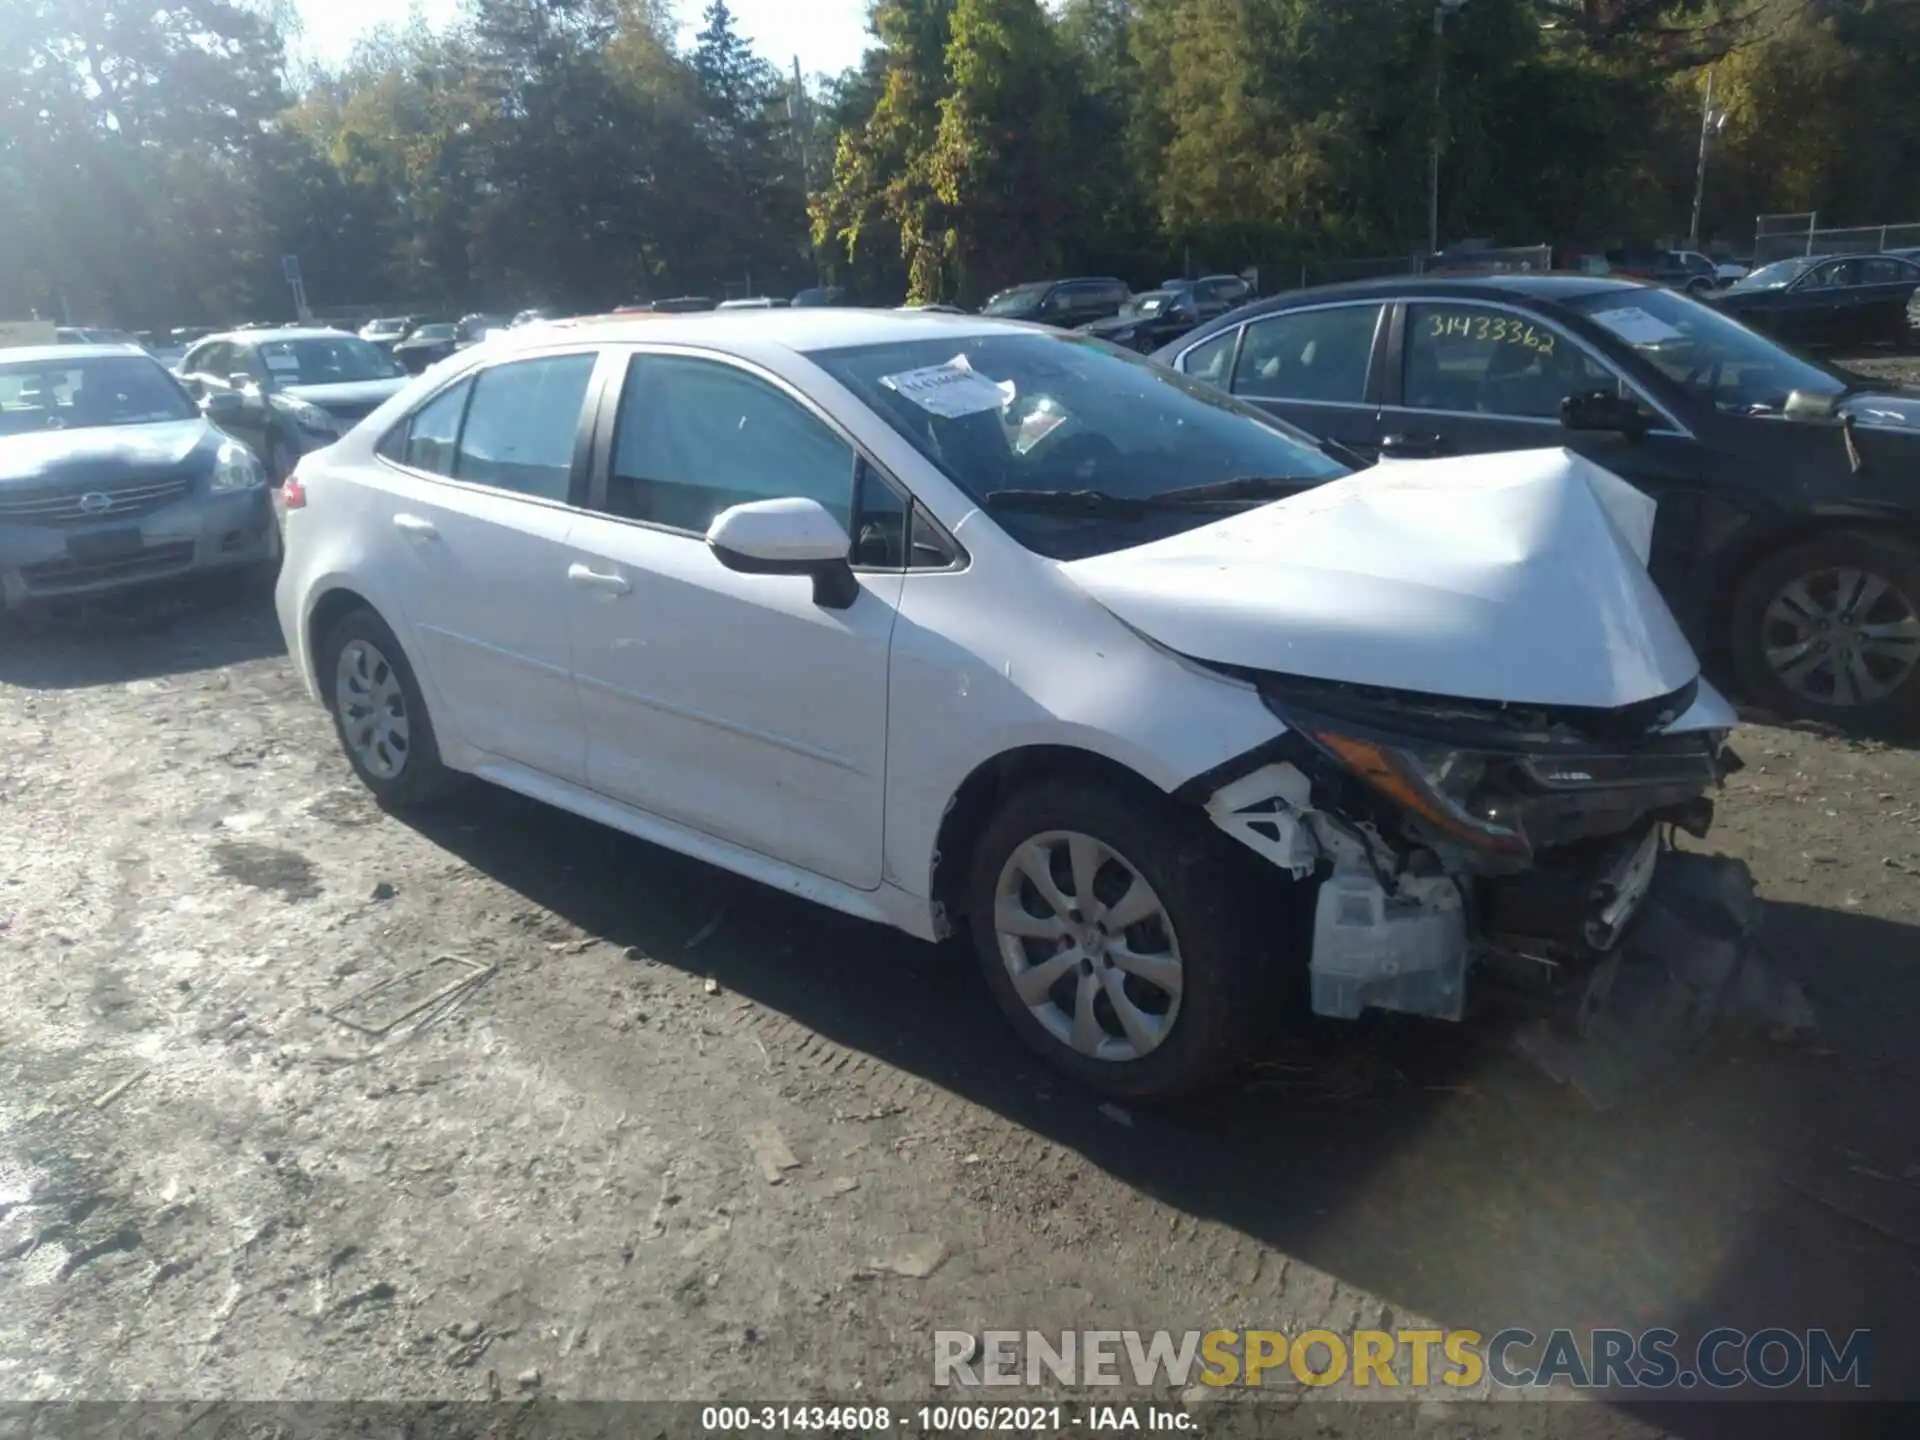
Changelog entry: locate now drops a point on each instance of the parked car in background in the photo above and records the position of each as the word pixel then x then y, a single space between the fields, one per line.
pixel 427 344
pixel 1213 294
pixel 820 295
pixel 472 329
pixel 288 392
pixel 753 302
pixel 1148 321
pixel 95 335
pixel 1575 261
pixel 533 315
pixel 932 307
pixel 1775 549
pixel 1686 270
pixel 111 478
pixel 1053 670
pixel 676 305
pixel 1065 303
pixel 1827 299
pixel 390 331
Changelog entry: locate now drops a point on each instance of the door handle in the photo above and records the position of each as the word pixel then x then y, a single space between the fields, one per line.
pixel 416 526
pixel 1413 447
pixel 591 579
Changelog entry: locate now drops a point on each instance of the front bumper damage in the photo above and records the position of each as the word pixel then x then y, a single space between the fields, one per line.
pixel 1619 956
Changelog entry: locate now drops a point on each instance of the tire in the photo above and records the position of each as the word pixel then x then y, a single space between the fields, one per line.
pixel 1780 604
pixel 402 774
pixel 1227 991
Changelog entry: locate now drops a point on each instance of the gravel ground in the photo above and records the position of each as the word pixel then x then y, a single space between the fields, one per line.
pixel 682 1137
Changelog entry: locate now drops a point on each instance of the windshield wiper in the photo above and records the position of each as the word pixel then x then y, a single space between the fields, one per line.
pixel 1245 490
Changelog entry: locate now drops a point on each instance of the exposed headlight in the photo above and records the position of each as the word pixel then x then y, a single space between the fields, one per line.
pixel 236 469
pixel 1443 787
pixel 309 416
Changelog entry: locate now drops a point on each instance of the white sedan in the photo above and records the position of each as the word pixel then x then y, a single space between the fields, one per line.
pixel 952 623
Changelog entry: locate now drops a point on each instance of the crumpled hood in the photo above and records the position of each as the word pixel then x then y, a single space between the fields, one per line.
pixel 1517 578
pixel 100 454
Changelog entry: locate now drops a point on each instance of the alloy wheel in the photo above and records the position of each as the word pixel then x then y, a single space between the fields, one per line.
pixel 372 708
pixel 1088 945
pixel 1842 636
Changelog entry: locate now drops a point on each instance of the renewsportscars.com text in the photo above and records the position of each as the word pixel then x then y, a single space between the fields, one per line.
pixel 1509 1359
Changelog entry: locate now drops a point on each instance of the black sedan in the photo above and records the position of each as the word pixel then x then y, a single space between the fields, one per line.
pixel 110 478
pixel 1826 299
pixel 427 345
pixel 1148 321
pixel 1788 530
pixel 285 392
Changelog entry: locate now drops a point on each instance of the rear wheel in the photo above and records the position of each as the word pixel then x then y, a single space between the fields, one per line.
pixel 1116 940
pixel 378 712
pixel 1830 630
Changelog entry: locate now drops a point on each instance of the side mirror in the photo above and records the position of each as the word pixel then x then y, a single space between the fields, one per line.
pixel 1810 405
pixel 1604 411
pixel 792 536
pixel 222 405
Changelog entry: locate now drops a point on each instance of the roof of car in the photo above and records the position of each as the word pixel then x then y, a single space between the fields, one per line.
pixel 1532 285
pixel 802 329
pixel 288 332
pixel 34 354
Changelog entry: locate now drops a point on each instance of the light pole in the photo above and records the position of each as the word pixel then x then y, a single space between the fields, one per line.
pixel 1710 122
pixel 1441 9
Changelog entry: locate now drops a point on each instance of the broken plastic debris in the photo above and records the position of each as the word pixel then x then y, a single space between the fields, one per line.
pixel 469 975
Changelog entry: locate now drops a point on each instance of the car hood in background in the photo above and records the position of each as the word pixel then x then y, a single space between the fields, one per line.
pixel 103 454
pixel 1900 409
pixel 1515 578
pixel 363 395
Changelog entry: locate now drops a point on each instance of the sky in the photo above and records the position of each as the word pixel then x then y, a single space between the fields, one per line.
pixel 827 35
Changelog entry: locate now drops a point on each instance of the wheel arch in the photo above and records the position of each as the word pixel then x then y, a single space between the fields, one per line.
pixel 334 604
pixel 1763 542
pixel 982 793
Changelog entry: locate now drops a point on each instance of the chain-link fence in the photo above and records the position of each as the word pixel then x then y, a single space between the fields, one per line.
pixel 1778 237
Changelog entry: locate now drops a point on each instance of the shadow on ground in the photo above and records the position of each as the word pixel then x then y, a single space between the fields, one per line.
pixel 139 636
pixel 1775 1188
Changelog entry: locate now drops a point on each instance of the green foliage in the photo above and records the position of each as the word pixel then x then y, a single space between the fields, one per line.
pixel 157 157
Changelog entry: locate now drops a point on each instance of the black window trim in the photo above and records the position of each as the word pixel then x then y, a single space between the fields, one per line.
pixel 604 439
pixel 582 437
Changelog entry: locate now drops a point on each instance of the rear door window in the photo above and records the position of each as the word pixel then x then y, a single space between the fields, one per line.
pixel 522 424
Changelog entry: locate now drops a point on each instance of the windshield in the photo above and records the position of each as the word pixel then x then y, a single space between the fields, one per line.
pixel 1772 277
pixel 333 360
pixel 1021 300
pixel 1154 302
pixel 82 394
pixel 1063 414
pixel 1712 355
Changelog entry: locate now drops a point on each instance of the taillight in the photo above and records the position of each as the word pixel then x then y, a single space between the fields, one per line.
pixel 293 494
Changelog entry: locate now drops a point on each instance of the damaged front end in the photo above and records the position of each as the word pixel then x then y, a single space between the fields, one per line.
pixel 1528 850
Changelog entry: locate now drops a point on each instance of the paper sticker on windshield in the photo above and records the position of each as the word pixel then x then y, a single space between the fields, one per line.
pixel 1636 326
pixel 950 390
pixel 282 362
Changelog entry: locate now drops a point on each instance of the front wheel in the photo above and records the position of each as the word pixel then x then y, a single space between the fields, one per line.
pixel 1113 937
pixel 1830 630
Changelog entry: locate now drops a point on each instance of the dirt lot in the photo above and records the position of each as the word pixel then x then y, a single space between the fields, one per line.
pixel 687 1138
